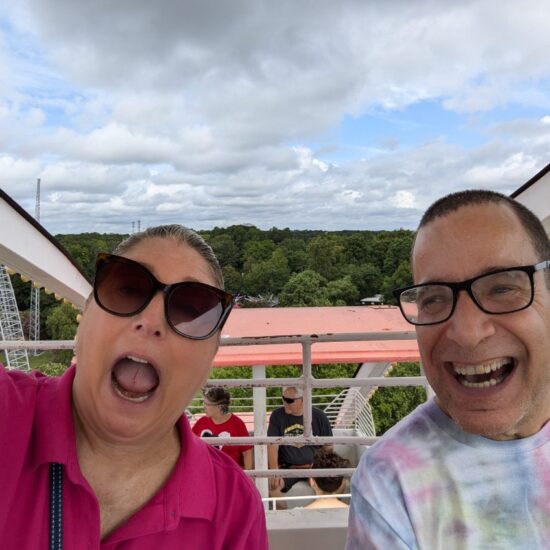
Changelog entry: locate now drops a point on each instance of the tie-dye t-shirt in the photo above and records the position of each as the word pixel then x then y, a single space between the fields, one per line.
pixel 428 485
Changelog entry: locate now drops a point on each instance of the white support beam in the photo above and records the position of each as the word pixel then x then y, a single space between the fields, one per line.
pixel 28 249
pixel 260 429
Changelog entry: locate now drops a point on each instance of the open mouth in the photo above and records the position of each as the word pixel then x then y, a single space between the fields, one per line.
pixel 134 379
pixel 484 375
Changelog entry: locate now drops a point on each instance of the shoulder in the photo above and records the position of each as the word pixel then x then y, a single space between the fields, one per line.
pixel 20 389
pixel 318 413
pixel 231 482
pixel 236 421
pixel 202 421
pixel 405 444
pixel 277 414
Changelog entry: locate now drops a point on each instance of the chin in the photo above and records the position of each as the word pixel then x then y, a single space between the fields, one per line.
pixel 490 425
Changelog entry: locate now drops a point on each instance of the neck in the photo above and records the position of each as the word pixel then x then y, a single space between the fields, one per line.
pixel 327 503
pixel 221 418
pixel 126 456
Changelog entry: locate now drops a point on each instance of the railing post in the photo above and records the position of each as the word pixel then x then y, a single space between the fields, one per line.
pixel 260 429
pixel 306 375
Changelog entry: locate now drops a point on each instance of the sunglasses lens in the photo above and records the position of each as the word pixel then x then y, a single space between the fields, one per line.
pixel 194 310
pixel 289 400
pixel 122 288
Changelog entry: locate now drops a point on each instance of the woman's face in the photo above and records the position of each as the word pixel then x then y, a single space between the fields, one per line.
pixel 135 375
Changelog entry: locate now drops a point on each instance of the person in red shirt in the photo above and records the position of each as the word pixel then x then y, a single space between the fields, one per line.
pixel 219 422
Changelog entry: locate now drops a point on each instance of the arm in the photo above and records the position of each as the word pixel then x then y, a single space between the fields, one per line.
pixel 273 457
pixel 275 483
pixel 248 459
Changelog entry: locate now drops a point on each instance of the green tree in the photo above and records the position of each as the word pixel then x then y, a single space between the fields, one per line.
pixel 62 325
pixel 366 278
pixel 390 405
pixel 226 250
pixel 326 256
pixel 267 277
pixel 342 292
pixel 232 278
pixel 356 247
pixel 296 254
pixel 402 277
pixel 257 251
pixel 307 288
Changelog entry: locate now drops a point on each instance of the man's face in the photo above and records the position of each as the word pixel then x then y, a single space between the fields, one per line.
pixel 295 408
pixel 469 242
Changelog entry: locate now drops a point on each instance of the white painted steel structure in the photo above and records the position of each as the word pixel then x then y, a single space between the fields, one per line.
pixel 27 248
pixel 535 194
pixel 10 323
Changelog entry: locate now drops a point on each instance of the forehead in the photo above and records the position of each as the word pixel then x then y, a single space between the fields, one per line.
pixel 470 241
pixel 171 261
pixel 290 392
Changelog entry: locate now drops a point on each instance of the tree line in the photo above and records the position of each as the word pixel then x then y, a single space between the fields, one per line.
pixel 269 267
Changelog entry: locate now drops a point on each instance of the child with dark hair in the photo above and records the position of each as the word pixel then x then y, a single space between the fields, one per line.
pixel 331 485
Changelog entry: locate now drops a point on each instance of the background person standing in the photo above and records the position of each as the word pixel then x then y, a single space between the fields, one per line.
pixel 219 422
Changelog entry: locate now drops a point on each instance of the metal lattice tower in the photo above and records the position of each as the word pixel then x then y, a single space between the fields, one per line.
pixel 34 313
pixel 10 323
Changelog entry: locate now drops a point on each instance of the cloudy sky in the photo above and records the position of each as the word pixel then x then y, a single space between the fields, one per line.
pixel 290 113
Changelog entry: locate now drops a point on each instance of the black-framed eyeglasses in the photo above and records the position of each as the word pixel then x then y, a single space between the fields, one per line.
pixel 124 287
pixel 290 400
pixel 498 292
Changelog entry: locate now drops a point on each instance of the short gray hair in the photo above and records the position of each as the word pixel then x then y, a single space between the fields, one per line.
pixel 180 234
pixel 298 391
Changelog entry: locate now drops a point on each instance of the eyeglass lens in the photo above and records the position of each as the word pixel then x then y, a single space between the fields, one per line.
pixel 124 288
pixel 289 400
pixel 194 310
pixel 502 292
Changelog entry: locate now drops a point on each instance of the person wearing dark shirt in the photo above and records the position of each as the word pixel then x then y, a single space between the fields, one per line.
pixel 288 420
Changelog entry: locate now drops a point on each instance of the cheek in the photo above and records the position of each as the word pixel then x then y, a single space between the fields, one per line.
pixel 427 338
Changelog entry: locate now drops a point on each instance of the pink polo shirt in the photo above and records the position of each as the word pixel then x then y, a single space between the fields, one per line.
pixel 207 503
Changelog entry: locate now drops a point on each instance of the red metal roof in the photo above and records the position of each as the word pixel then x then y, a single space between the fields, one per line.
pixel 316 320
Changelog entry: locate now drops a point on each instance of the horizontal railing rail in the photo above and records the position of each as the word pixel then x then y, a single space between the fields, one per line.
pixel 306 381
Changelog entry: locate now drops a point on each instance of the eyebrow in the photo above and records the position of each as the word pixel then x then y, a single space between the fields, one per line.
pixel 486 271
pixel 150 268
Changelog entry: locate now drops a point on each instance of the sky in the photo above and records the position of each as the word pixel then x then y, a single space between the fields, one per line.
pixel 305 114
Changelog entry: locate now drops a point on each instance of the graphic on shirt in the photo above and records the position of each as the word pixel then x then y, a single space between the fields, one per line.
pixel 293 430
pixel 208 433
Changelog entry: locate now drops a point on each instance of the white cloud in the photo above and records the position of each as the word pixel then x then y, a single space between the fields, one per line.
pixel 163 111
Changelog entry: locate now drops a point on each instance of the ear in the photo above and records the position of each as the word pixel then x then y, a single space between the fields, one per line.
pixel 312 483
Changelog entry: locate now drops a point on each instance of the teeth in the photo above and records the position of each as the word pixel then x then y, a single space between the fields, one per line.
pixel 486 384
pixel 482 368
pixel 136 359
pixel 129 397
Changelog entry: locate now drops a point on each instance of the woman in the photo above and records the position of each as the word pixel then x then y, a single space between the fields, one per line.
pixel 324 486
pixel 219 422
pixel 132 475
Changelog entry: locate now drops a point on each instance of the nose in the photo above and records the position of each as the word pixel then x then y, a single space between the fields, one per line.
pixel 468 325
pixel 151 321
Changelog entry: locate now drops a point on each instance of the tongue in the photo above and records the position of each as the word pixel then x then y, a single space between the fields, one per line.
pixel 133 377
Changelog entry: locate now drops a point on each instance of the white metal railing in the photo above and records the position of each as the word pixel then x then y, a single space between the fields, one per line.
pixel 347 409
pixel 306 381
pixel 272 501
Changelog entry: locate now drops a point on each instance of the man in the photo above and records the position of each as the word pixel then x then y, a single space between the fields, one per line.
pixel 471 468
pixel 288 420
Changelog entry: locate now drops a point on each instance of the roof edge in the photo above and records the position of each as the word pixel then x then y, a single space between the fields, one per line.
pixel 42 230
pixel 533 180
